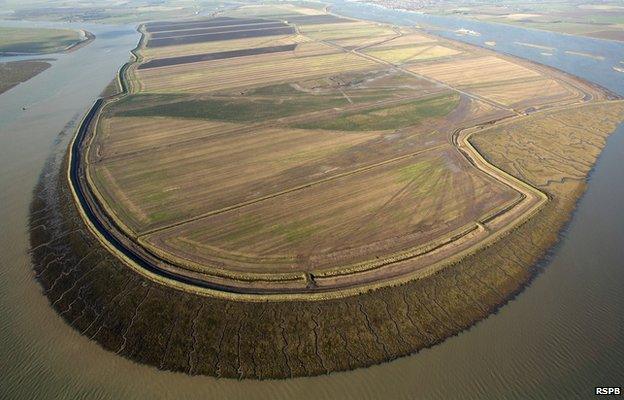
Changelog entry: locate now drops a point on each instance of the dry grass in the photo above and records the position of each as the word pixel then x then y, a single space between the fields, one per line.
pixel 391 207
pixel 361 41
pixel 217 46
pixel 524 92
pixel 476 70
pixel 123 135
pixel 305 61
pixel 408 39
pixel 502 81
pixel 163 185
pixel 345 30
pixel 403 54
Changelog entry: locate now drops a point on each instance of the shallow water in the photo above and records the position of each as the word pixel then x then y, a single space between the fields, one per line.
pixel 561 337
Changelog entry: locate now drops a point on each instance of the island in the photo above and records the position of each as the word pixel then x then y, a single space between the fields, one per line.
pixel 278 191
pixel 27 41
pixel 16 41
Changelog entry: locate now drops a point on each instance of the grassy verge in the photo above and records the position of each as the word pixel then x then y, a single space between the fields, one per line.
pixel 276 102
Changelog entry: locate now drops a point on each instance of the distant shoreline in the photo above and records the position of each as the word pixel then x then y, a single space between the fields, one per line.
pixel 87 37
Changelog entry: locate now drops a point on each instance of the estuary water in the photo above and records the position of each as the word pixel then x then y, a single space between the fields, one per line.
pixel 559 338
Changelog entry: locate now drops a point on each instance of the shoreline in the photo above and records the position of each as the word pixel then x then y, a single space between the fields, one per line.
pixel 89 37
pixel 492 22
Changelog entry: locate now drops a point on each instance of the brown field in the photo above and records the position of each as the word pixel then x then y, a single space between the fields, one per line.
pixel 354 43
pixel 242 166
pixel 472 71
pixel 524 92
pixel 211 37
pixel 503 81
pixel 169 26
pixel 345 30
pixel 307 60
pixel 405 54
pixel 342 163
pixel 394 206
pixel 408 39
pixel 223 45
pixel 218 29
pixel 165 62
pixel 100 296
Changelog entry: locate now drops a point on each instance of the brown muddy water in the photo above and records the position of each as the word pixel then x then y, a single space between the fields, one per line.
pixel 559 338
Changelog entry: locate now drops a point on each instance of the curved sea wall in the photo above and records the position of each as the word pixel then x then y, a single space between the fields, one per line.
pixel 170 329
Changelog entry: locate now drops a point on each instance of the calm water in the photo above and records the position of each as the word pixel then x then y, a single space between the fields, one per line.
pixel 562 336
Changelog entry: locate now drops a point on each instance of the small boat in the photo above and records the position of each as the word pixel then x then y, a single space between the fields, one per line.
pixel 464 31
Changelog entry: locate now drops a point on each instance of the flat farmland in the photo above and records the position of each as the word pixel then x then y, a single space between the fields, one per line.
pixel 218 46
pixel 395 206
pixel 122 135
pixel 500 80
pixel 222 55
pixel 345 30
pixel 252 163
pixel 215 29
pixel 408 39
pixel 163 35
pixel 474 70
pixel 524 92
pixel 225 74
pixel 405 54
pixel 168 26
pixel 390 117
pixel 332 157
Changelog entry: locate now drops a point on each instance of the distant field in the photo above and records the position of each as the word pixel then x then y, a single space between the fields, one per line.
pixel 332 151
pixel 219 46
pixel 165 62
pixel 36 41
pixel 306 61
pixel 341 30
pixel 498 79
pixel 403 54
pixel 218 29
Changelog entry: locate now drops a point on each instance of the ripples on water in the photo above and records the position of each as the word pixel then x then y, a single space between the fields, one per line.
pixel 561 337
